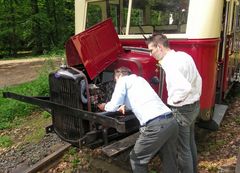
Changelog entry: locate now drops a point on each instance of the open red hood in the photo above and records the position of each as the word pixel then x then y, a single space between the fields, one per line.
pixel 96 48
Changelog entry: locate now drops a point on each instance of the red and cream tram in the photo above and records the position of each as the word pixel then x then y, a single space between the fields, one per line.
pixel 208 30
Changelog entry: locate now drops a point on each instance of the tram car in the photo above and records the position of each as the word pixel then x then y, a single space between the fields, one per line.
pixel 207 30
pixel 110 34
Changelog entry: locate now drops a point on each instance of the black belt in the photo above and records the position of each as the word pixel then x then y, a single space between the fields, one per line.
pixel 160 117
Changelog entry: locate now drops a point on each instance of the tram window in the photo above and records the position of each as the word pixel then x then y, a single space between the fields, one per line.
pixel 237 18
pixel 236 41
pixel 98 11
pixel 165 16
pixel 94 15
pixel 159 16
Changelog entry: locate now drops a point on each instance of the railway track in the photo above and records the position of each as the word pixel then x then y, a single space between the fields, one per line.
pixel 46 163
pixel 51 154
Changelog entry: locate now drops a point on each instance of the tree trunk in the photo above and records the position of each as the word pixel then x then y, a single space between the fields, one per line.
pixel 13 43
pixel 36 29
pixel 50 13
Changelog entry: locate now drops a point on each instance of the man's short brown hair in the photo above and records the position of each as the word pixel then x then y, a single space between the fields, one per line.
pixel 158 38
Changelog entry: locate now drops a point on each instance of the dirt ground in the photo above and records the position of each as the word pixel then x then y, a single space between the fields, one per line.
pixel 14 72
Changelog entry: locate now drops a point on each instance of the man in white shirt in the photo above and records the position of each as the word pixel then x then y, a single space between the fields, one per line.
pixel 158 131
pixel 184 86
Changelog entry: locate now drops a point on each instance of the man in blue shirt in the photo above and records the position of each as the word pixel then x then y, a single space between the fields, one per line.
pixel 158 131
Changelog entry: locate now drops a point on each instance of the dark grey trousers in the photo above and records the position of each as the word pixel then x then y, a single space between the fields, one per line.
pixel 158 136
pixel 187 150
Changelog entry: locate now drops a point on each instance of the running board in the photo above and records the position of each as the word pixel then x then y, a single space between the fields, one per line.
pixel 219 112
pixel 121 145
pixel 214 123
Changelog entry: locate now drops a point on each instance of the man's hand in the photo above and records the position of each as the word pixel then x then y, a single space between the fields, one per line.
pixel 122 109
pixel 101 106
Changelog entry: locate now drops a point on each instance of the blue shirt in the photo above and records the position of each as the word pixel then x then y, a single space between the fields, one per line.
pixel 136 93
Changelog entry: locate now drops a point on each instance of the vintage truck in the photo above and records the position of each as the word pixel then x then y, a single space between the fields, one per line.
pixel 86 80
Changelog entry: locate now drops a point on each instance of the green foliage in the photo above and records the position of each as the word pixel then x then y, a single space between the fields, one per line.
pixel 217 144
pixel 56 52
pixel 35 25
pixel 46 114
pixel 72 151
pixel 75 162
pixel 73 157
pixel 94 15
pixel 11 109
pixel 5 141
pixel 152 171
pixel 36 136
pixel 237 119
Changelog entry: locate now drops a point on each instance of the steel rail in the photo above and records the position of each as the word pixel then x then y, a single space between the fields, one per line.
pixel 48 162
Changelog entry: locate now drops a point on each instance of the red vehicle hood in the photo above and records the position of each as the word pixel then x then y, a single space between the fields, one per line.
pixel 96 48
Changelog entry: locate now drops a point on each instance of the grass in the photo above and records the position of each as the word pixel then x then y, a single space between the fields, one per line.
pixel 5 141
pixel 72 157
pixel 13 113
pixel 37 125
pixel 11 110
pixel 237 119
pixel 30 129
pixel 215 145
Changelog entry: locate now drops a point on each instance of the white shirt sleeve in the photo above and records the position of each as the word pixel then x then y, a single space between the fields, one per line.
pixel 118 96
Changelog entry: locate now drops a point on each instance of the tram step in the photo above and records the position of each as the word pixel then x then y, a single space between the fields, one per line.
pixel 219 112
pixel 214 123
pixel 120 145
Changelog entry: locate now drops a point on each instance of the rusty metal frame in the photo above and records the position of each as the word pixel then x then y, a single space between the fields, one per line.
pixel 105 119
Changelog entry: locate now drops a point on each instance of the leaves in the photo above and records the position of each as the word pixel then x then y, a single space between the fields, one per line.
pixel 218 150
pixel 32 26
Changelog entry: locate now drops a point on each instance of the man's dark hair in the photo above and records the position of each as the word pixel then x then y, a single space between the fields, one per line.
pixel 124 71
pixel 158 38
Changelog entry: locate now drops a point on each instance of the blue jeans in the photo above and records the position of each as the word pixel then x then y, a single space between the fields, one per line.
pixel 158 136
pixel 187 150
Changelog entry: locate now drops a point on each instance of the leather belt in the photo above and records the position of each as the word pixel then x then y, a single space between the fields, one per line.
pixel 160 117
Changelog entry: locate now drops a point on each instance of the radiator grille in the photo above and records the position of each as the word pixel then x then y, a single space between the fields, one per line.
pixel 66 91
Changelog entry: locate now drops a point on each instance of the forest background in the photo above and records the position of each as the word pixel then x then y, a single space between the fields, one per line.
pixel 34 26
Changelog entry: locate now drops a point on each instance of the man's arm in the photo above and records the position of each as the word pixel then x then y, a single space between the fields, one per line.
pixel 118 97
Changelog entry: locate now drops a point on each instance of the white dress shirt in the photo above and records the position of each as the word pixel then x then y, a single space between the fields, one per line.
pixel 184 83
pixel 136 93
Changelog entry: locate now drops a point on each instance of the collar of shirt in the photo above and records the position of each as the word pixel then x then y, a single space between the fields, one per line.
pixel 166 57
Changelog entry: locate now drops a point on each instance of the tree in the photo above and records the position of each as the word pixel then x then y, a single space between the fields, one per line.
pixel 9 26
pixel 36 29
pixel 35 25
